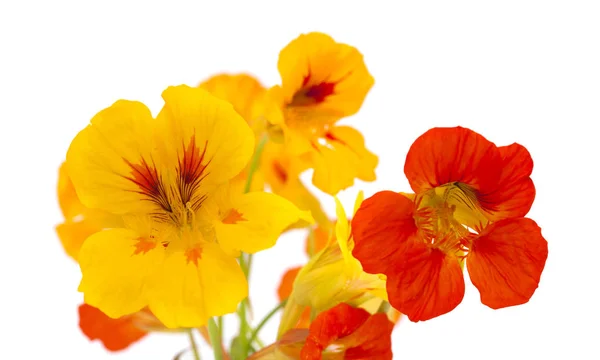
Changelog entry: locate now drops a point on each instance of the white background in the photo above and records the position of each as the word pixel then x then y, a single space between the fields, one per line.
pixel 515 71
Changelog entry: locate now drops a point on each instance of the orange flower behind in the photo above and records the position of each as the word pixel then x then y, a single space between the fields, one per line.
pixel 322 81
pixel 470 199
pixel 285 290
pixel 115 334
pixel 353 331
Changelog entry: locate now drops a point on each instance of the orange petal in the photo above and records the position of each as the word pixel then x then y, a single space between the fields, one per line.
pixel 285 290
pixel 506 261
pixel 516 191
pixel 445 155
pixel 241 90
pixel 380 227
pixel 361 335
pixel 319 239
pixel 287 283
pixel 426 284
pixel 115 334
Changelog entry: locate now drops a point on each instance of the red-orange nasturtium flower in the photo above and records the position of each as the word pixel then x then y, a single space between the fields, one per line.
pixel 322 81
pixel 340 333
pixel 169 177
pixel 470 200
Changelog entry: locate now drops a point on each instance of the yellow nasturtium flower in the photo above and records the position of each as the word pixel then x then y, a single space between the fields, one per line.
pixel 333 276
pixel 322 81
pixel 169 178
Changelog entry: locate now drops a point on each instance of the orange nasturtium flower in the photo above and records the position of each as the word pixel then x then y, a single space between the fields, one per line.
pixel 331 277
pixel 116 334
pixel 169 178
pixel 322 81
pixel 277 168
pixel 244 93
pixel 469 203
pixel 341 333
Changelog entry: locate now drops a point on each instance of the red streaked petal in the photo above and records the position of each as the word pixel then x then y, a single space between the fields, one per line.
pixel 506 260
pixel 516 192
pixel 445 155
pixel 373 340
pixel 426 284
pixel 115 334
pixel 361 335
pixel 380 228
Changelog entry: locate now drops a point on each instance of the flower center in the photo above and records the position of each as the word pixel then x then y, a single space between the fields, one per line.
pixel 449 216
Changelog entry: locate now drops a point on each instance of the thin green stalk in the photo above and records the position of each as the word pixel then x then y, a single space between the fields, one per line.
pixel 262 323
pixel 193 345
pixel 255 162
pixel 221 327
pixel 214 333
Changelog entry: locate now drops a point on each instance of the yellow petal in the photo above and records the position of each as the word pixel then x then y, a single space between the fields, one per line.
pixel 110 161
pixel 192 118
pixel 343 159
pixel 359 199
pixel 335 168
pixel 253 222
pixel 353 140
pixel 342 230
pixel 187 291
pixel 115 266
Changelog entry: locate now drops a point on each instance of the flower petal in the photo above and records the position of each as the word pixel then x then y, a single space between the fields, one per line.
pixel 73 234
pixel 379 228
pixel 363 336
pixel 241 90
pixel 506 261
pixel 318 239
pixel 205 139
pixel 187 291
pixel 354 140
pixel 115 334
pixel 285 290
pixel 111 163
pixel 80 222
pixel 115 265
pixel 287 283
pixel 426 283
pixel 446 155
pixel 254 221
pixel 516 192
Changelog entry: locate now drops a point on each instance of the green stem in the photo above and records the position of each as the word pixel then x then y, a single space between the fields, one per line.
pixel 220 323
pixel 193 345
pixel 262 323
pixel 214 333
pixel 255 162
